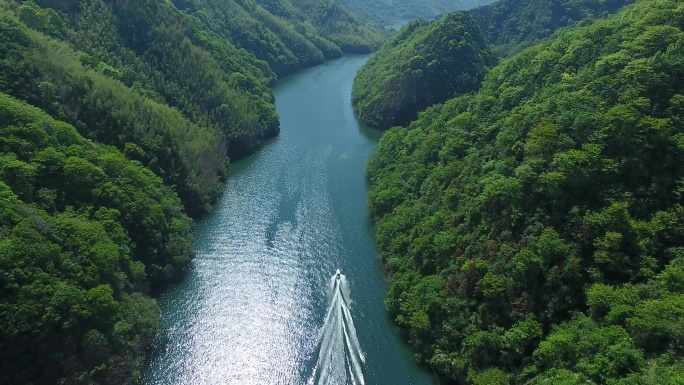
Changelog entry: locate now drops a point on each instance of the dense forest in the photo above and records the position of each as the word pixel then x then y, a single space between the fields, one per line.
pixel 388 11
pixel 287 34
pixel 533 231
pixel 85 230
pixel 117 122
pixel 512 25
pixel 425 63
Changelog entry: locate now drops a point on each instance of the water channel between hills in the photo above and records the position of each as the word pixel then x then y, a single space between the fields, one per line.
pixel 252 307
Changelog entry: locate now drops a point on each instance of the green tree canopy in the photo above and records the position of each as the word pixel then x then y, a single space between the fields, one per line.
pixel 86 231
pixel 545 211
pixel 423 64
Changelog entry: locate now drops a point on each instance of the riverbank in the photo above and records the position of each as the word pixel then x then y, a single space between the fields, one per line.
pixel 252 305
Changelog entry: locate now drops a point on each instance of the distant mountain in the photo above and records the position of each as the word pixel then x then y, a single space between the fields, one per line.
pixel 429 62
pixel 388 11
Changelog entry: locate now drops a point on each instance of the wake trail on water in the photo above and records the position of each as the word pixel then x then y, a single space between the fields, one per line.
pixel 340 355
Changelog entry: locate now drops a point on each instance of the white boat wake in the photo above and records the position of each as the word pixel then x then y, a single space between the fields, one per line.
pixel 340 356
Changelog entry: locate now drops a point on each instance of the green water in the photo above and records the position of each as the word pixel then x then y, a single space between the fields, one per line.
pixel 252 307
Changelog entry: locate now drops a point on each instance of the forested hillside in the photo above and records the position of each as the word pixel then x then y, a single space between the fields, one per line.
pixel 161 83
pixel 425 63
pixel 87 92
pixel 512 25
pixel 287 34
pixel 84 232
pixel 533 231
pixel 117 121
pixel 391 10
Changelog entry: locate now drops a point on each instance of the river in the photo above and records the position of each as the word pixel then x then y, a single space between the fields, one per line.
pixel 252 307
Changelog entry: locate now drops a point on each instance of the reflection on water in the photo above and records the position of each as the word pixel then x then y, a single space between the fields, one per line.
pixel 253 307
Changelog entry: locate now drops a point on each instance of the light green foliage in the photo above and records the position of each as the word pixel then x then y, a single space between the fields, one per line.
pixel 85 232
pixel 550 205
pixel 520 339
pixel 512 25
pixel 601 354
pixel 286 34
pixel 656 324
pixel 664 370
pixel 541 140
pixel 491 376
pixel 187 85
pixel 421 65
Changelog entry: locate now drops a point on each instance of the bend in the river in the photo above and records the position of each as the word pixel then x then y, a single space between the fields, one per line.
pixel 252 306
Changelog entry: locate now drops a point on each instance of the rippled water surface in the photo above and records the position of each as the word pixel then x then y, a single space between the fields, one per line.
pixel 253 305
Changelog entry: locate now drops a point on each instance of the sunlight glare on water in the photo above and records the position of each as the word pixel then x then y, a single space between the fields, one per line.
pixel 253 305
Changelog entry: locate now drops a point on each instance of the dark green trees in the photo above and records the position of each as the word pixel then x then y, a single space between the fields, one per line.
pixel 181 86
pixel 533 231
pixel 286 34
pixel 117 119
pixel 85 231
pixel 423 64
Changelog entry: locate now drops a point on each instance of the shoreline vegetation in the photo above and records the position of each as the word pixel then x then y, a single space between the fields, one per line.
pixel 528 213
pixel 532 229
pixel 117 123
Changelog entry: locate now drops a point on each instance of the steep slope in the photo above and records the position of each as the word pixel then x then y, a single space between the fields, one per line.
pixel 117 119
pixel 179 116
pixel 533 231
pixel 287 34
pixel 84 232
pixel 133 60
pixel 425 63
pixel 513 25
